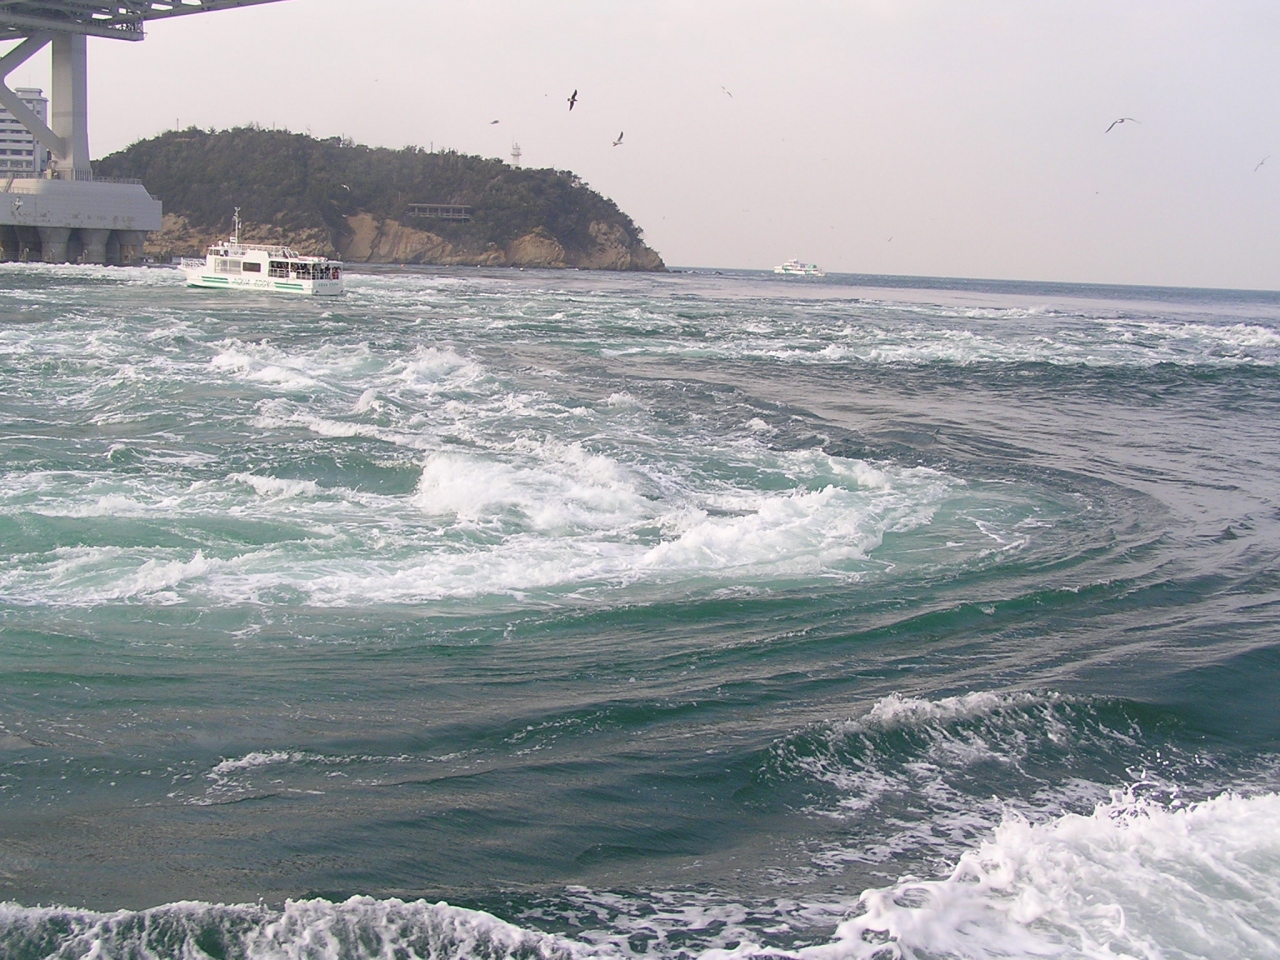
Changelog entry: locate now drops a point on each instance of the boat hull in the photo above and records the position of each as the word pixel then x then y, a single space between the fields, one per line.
pixel 305 288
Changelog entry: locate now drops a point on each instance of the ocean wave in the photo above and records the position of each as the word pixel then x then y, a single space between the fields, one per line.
pixel 1165 344
pixel 276 486
pixel 919 778
pixel 360 928
pixel 1135 878
pixel 541 514
pixel 1132 878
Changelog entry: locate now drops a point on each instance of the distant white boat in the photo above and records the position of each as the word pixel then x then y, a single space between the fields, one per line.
pixel 798 268
pixel 260 266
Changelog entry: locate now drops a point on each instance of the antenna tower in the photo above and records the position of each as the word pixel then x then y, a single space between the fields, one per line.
pixel 515 154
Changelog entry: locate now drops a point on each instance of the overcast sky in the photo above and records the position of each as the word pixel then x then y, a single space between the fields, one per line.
pixel 928 137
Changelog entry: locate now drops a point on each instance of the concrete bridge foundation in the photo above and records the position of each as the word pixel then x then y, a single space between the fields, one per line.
pixel 53 243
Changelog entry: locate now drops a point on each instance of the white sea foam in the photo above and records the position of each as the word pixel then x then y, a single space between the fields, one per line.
pixel 360 928
pixel 368 401
pixel 541 514
pixel 915 778
pixel 1134 879
pixel 433 368
pixel 897 711
pixel 276 486
pixel 984 338
pixel 520 489
pixel 253 760
pixel 156 579
pixel 327 367
pixel 804 533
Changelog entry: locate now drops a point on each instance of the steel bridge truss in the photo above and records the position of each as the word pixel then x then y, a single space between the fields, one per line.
pixel 122 20
pixel 66 24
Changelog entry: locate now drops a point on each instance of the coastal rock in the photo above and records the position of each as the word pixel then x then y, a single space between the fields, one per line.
pixel 369 240
pixel 536 249
pixel 177 237
pixel 614 250
pixel 389 241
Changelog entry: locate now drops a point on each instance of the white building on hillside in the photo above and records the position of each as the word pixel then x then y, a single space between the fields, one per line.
pixel 20 152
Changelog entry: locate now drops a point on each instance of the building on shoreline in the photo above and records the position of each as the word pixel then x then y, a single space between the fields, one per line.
pixel 20 152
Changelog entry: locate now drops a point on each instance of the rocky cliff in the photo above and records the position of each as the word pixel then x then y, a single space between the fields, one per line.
pixel 338 199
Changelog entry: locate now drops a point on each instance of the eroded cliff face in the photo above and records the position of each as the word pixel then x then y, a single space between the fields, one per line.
pixel 178 238
pixel 369 240
pixel 389 241
pixel 612 251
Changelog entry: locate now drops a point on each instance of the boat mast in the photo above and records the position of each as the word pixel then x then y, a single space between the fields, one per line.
pixel 235 233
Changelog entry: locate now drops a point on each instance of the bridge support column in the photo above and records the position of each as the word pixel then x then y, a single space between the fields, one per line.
pixel 70 105
pixel 28 243
pixel 53 243
pixel 8 243
pixel 94 244
pixel 131 242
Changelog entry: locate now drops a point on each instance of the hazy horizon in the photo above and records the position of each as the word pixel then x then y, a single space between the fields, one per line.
pixel 904 139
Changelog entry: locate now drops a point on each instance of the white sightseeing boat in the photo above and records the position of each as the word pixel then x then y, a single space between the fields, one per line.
pixel 259 266
pixel 798 268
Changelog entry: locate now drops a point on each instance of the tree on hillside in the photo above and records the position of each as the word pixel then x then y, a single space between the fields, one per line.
pixel 299 182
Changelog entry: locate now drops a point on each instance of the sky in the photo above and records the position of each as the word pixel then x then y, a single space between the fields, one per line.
pixel 917 137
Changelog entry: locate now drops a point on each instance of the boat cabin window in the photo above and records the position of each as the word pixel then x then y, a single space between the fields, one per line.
pixel 222 265
pixel 278 268
pixel 304 270
pixel 251 266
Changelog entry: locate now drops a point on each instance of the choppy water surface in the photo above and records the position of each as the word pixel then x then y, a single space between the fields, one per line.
pixel 577 615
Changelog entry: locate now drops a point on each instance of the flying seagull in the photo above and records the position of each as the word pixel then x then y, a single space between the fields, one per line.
pixel 1121 120
pixel 492 122
pixel 726 90
pixel 1261 162
pixel 618 142
pixel 573 99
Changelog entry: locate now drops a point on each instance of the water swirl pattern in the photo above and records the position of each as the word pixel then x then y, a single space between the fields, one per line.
pixel 569 615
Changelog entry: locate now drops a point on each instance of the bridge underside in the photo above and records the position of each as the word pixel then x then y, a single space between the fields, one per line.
pixel 93 217
pixel 121 19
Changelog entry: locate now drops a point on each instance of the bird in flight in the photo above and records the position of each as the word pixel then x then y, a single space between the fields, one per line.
pixel 1121 120
pixel 1261 162
pixel 726 90
pixel 573 99
pixel 492 122
pixel 618 142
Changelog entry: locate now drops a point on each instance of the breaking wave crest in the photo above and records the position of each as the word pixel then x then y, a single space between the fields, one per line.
pixel 356 929
pixel 921 778
pixel 1135 879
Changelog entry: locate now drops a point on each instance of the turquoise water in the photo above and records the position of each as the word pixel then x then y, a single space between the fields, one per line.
pixel 516 614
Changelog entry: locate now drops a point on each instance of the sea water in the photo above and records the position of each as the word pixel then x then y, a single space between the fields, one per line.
pixel 564 615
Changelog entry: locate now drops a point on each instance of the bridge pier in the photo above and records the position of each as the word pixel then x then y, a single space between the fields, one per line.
pixel 65 213
pixel 53 243
pixel 28 244
pixel 93 246
pixel 70 107
pixel 130 245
